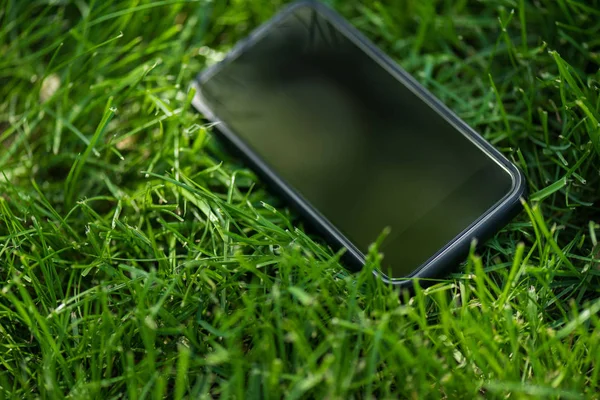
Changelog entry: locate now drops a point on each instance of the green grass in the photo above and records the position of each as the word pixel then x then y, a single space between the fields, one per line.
pixel 139 260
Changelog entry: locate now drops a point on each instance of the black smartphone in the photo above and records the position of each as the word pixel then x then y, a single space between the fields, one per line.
pixel 355 145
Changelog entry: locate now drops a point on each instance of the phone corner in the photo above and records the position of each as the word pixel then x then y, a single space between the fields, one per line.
pixel 303 3
pixel 523 189
pixel 517 196
pixel 198 100
pixel 519 189
pixel 298 4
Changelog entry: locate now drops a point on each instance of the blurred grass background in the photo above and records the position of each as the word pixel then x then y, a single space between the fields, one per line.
pixel 139 260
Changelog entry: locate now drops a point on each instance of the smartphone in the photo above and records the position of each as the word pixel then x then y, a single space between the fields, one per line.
pixel 356 146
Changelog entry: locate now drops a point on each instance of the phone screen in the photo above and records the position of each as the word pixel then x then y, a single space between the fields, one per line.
pixel 354 141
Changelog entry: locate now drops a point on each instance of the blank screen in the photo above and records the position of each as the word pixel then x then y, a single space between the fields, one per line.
pixel 354 141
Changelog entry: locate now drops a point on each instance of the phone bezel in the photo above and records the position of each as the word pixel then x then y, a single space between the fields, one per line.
pixel 439 263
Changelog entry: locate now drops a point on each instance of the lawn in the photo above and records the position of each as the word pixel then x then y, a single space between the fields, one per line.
pixel 139 259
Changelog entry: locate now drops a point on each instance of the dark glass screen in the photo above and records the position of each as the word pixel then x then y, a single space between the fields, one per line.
pixel 355 142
